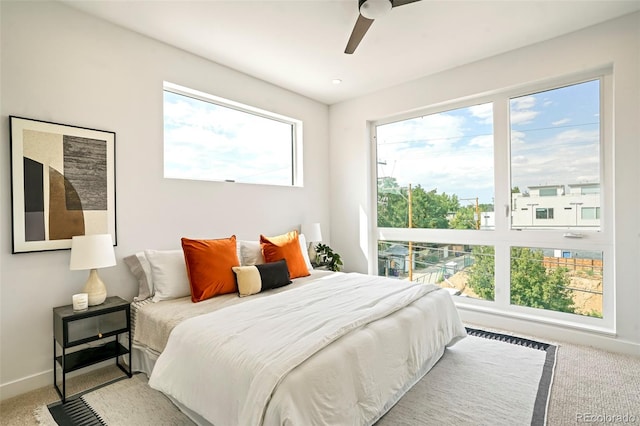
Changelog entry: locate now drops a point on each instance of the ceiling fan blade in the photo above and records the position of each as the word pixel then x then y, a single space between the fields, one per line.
pixel 396 3
pixel 359 30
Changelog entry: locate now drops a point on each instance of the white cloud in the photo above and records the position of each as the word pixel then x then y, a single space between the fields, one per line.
pixel 484 112
pixel 484 141
pixel 567 157
pixel 561 121
pixel 517 137
pixel 523 116
pixel 435 130
pixel 578 136
pixel 466 173
pixel 523 102
pixel 522 111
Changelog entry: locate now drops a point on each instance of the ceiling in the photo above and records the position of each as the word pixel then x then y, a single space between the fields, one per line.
pixel 299 44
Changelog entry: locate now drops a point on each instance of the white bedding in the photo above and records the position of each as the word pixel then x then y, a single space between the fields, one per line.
pixel 339 350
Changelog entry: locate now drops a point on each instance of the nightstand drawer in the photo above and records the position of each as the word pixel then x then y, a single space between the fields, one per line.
pixel 96 327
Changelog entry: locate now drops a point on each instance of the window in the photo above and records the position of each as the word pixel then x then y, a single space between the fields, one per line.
pixel 463 270
pixel 557 280
pixel 548 248
pixel 548 192
pixel 589 189
pixel 436 171
pixel 210 138
pixel 544 213
pixel 555 144
pixel 590 213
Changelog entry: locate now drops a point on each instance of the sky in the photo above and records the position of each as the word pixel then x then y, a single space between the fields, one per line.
pixel 205 141
pixel 554 139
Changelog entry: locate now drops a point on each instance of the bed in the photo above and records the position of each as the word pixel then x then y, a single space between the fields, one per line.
pixel 330 348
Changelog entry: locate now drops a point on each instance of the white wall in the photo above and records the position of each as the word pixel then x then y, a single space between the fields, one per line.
pixel 60 65
pixel 615 43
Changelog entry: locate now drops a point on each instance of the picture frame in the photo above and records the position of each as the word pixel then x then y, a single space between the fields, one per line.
pixel 62 184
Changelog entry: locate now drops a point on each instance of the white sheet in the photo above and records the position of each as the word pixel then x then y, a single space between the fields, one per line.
pixel 228 365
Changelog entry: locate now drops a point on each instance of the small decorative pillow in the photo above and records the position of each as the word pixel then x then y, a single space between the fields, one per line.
pixel 257 278
pixel 209 264
pixel 285 247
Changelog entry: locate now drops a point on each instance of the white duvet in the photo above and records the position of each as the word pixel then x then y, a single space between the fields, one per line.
pixel 340 350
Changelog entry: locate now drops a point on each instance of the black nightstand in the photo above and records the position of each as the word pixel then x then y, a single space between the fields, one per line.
pixel 74 328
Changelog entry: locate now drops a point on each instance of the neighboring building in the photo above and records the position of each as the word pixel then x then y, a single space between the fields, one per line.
pixel 550 206
pixel 487 220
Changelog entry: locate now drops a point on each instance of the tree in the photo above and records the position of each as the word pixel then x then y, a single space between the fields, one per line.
pixel 430 209
pixel 464 218
pixel 482 272
pixel 392 204
pixel 531 284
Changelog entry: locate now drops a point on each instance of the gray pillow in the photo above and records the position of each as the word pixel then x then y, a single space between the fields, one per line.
pixel 141 269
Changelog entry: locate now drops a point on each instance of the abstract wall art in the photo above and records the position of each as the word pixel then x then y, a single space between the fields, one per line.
pixel 62 183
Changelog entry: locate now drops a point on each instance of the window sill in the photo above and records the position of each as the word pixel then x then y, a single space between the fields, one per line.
pixel 601 330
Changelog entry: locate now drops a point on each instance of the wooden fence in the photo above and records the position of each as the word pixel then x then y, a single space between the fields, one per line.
pixel 573 264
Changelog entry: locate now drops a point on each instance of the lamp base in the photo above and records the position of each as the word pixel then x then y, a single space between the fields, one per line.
pixel 95 288
pixel 312 253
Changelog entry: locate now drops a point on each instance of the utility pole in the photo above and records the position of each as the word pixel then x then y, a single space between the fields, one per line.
pixel 477 214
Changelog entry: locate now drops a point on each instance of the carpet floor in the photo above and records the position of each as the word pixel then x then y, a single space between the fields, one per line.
pixel 486 378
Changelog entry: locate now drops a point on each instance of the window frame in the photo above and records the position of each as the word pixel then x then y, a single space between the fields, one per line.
pixel 503 237
pixel 296 131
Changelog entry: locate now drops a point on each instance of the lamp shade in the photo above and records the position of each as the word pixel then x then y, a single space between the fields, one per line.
pixel 91 252
pixel 312 232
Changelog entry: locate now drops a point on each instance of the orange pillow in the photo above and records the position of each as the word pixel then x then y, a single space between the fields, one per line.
pixel 287 247
pixel 209 264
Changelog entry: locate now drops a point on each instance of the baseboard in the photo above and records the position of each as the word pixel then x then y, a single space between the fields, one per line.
pixel 551 333
pixel 40 380
pixel 26 384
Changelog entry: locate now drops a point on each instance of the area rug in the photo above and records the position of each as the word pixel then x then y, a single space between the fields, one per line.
pixel 484 379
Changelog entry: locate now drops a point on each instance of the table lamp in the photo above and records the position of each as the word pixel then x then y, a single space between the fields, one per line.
pixel 312 234
pixel 92 252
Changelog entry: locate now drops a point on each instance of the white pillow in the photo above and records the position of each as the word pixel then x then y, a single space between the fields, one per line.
pixel 169 273
pixel 250 253
pixel 305 251
pixel 141 269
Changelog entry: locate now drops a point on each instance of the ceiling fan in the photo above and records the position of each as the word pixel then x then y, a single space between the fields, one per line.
pixel 370 10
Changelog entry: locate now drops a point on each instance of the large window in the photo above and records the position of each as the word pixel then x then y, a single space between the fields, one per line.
pixel 555 155
pixel 526 166
pixel 439 167
pixel 209 138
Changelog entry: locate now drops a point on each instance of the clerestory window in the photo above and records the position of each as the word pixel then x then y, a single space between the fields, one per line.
pixel 211 138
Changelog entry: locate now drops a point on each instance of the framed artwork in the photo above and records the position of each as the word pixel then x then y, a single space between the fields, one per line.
pixel 62 184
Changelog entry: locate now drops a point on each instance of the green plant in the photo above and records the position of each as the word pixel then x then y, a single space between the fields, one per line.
pixel 325 256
